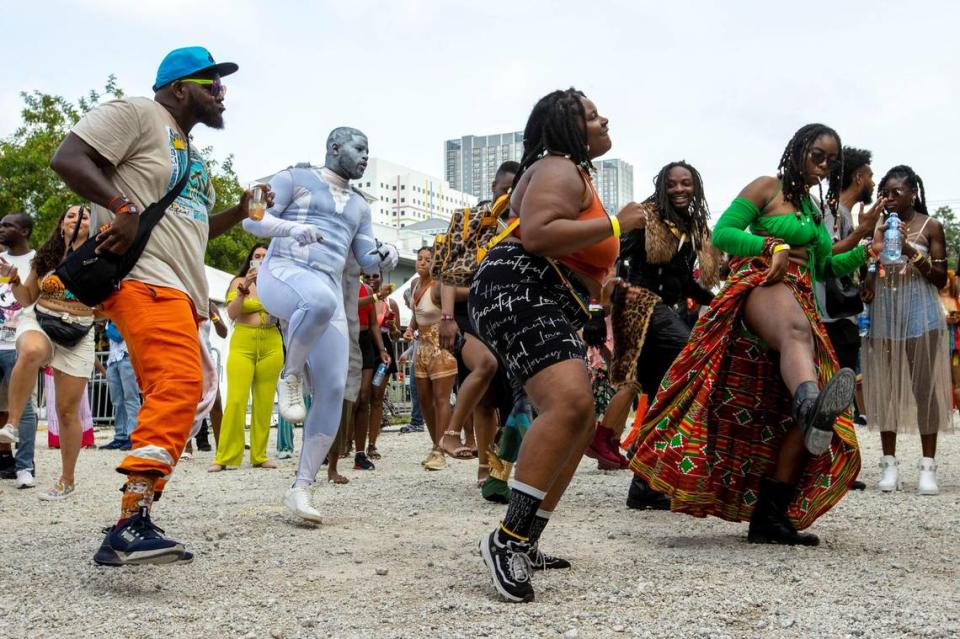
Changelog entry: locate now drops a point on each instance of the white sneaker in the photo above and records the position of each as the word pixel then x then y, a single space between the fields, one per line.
pixel 927 484
pixel 889 474
pixel 284 454
pixel 25 479
pixel 290 398
pixel 9 434
pixel 298 502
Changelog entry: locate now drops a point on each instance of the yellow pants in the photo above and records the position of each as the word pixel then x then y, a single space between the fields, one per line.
pixel 253 366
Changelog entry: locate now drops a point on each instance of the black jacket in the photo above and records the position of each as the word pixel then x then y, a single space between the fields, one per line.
pixel 673 282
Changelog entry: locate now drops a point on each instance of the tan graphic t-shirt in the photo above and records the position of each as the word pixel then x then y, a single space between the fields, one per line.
pixel 149 154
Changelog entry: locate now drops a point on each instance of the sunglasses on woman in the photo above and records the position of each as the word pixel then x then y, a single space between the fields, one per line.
pixel 819 156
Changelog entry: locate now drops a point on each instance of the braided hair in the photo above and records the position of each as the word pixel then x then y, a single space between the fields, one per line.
pixel 911 179
pixel 696 218
pixel 790 169
pixel 557 124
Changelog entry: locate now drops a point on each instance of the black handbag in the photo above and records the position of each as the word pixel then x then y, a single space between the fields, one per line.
pixel 61 331
pixel 92 278
pixel 842 297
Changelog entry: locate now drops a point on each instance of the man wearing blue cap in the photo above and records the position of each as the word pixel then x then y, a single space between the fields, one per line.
pixel 124 156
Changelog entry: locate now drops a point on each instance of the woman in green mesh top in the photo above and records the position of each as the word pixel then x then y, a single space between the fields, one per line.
pixel 741 428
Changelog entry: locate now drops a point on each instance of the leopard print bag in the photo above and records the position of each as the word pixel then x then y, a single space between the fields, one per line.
pixel 458 252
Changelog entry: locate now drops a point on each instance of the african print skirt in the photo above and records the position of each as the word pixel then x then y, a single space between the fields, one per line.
pixel 722 411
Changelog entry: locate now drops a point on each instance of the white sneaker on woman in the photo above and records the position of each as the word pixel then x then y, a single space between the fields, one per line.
pixel 290 398
pixel 298 502
pixel 9 434
pixel 927 484
pixel 889 474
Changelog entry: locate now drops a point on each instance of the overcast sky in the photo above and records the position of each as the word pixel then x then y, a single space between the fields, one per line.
pixel 721 84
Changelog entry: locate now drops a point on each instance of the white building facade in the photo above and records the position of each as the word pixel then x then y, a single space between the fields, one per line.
pixel 401 196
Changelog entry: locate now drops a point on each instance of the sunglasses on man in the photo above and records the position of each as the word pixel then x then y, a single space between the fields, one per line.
pixel 216 88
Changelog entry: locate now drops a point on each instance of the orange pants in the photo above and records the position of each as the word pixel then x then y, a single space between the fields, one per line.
pixel 159 325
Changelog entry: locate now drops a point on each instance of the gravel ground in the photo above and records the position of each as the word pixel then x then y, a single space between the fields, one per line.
pixel 887 565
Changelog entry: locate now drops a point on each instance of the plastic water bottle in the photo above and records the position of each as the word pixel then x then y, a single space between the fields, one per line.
pixel 863 323
pixel 380 374
pixel 892 241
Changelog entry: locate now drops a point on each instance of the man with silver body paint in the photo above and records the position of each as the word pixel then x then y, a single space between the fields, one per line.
pixel 316 220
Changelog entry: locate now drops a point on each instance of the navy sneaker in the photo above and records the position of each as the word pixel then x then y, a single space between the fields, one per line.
pixel 139 541
pixel 117 444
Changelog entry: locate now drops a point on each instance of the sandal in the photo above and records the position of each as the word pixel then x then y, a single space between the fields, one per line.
pixel 372 452
pixel 458 452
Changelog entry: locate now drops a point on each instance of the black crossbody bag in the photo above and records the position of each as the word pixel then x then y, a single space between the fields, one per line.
pixel 92 278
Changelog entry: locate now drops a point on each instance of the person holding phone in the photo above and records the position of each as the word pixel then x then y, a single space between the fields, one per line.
pixel 253 367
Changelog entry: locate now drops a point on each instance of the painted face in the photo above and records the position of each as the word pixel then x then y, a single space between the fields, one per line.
pixel 821 160
pixel 680 187
pixel 900 196
pixel 351 157
pixel 10 230
pixel 259 254
pixel 865 177
pixel 502 184
pixel 597 137
pixel 206 101
pixel 70 223
pixel 424 258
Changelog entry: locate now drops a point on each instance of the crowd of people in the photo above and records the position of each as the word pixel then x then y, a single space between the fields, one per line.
pixel 541 322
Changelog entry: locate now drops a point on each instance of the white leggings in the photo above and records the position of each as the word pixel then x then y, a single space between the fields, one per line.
pixel 310 303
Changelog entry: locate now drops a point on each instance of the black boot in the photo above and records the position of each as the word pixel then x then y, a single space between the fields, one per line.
pixel 816 411
pixel 203 437
pixel 642 497
pixel 769 523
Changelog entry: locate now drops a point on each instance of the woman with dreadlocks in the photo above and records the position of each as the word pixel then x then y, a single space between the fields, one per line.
pixel 647 328
pixel 741 428
pixel 906 356
pixel 528 299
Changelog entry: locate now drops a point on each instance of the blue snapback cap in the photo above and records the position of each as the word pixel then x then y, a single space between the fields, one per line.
pixel 182 63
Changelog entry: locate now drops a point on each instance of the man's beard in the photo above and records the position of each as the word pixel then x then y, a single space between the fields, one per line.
pixel 866 197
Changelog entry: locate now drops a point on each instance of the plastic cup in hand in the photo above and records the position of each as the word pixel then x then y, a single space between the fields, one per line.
pixel 257 205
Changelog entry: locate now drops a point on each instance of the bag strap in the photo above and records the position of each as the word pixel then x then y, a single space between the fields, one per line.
pixel 160 207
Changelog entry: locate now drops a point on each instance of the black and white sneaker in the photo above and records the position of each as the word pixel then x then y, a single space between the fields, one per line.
pixel 541 561
pixel 509 565
pixel 139 541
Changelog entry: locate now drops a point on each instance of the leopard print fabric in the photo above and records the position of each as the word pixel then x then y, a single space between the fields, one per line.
pixel 457 253
pixel 632 310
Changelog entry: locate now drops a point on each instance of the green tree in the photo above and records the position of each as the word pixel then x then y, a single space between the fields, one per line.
pixel 28 184
pixel 227 251
pixel 951 229
pixel 26 181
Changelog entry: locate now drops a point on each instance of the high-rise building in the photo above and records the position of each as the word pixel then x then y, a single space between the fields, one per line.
pixel 614 182
pixel 403 196
pixel 473 160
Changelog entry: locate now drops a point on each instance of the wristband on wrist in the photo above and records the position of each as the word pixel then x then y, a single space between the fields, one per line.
pixel 917 257
pixel 120 205
pixel 780 247
pixel 376 298
pixel 615 225
pixel 446 316
pixel 770 243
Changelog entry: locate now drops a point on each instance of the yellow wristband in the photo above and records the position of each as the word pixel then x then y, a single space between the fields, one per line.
pixel 615 223
pixel 780 247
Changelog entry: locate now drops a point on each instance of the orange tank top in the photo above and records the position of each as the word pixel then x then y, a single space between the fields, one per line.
pixel 597 260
